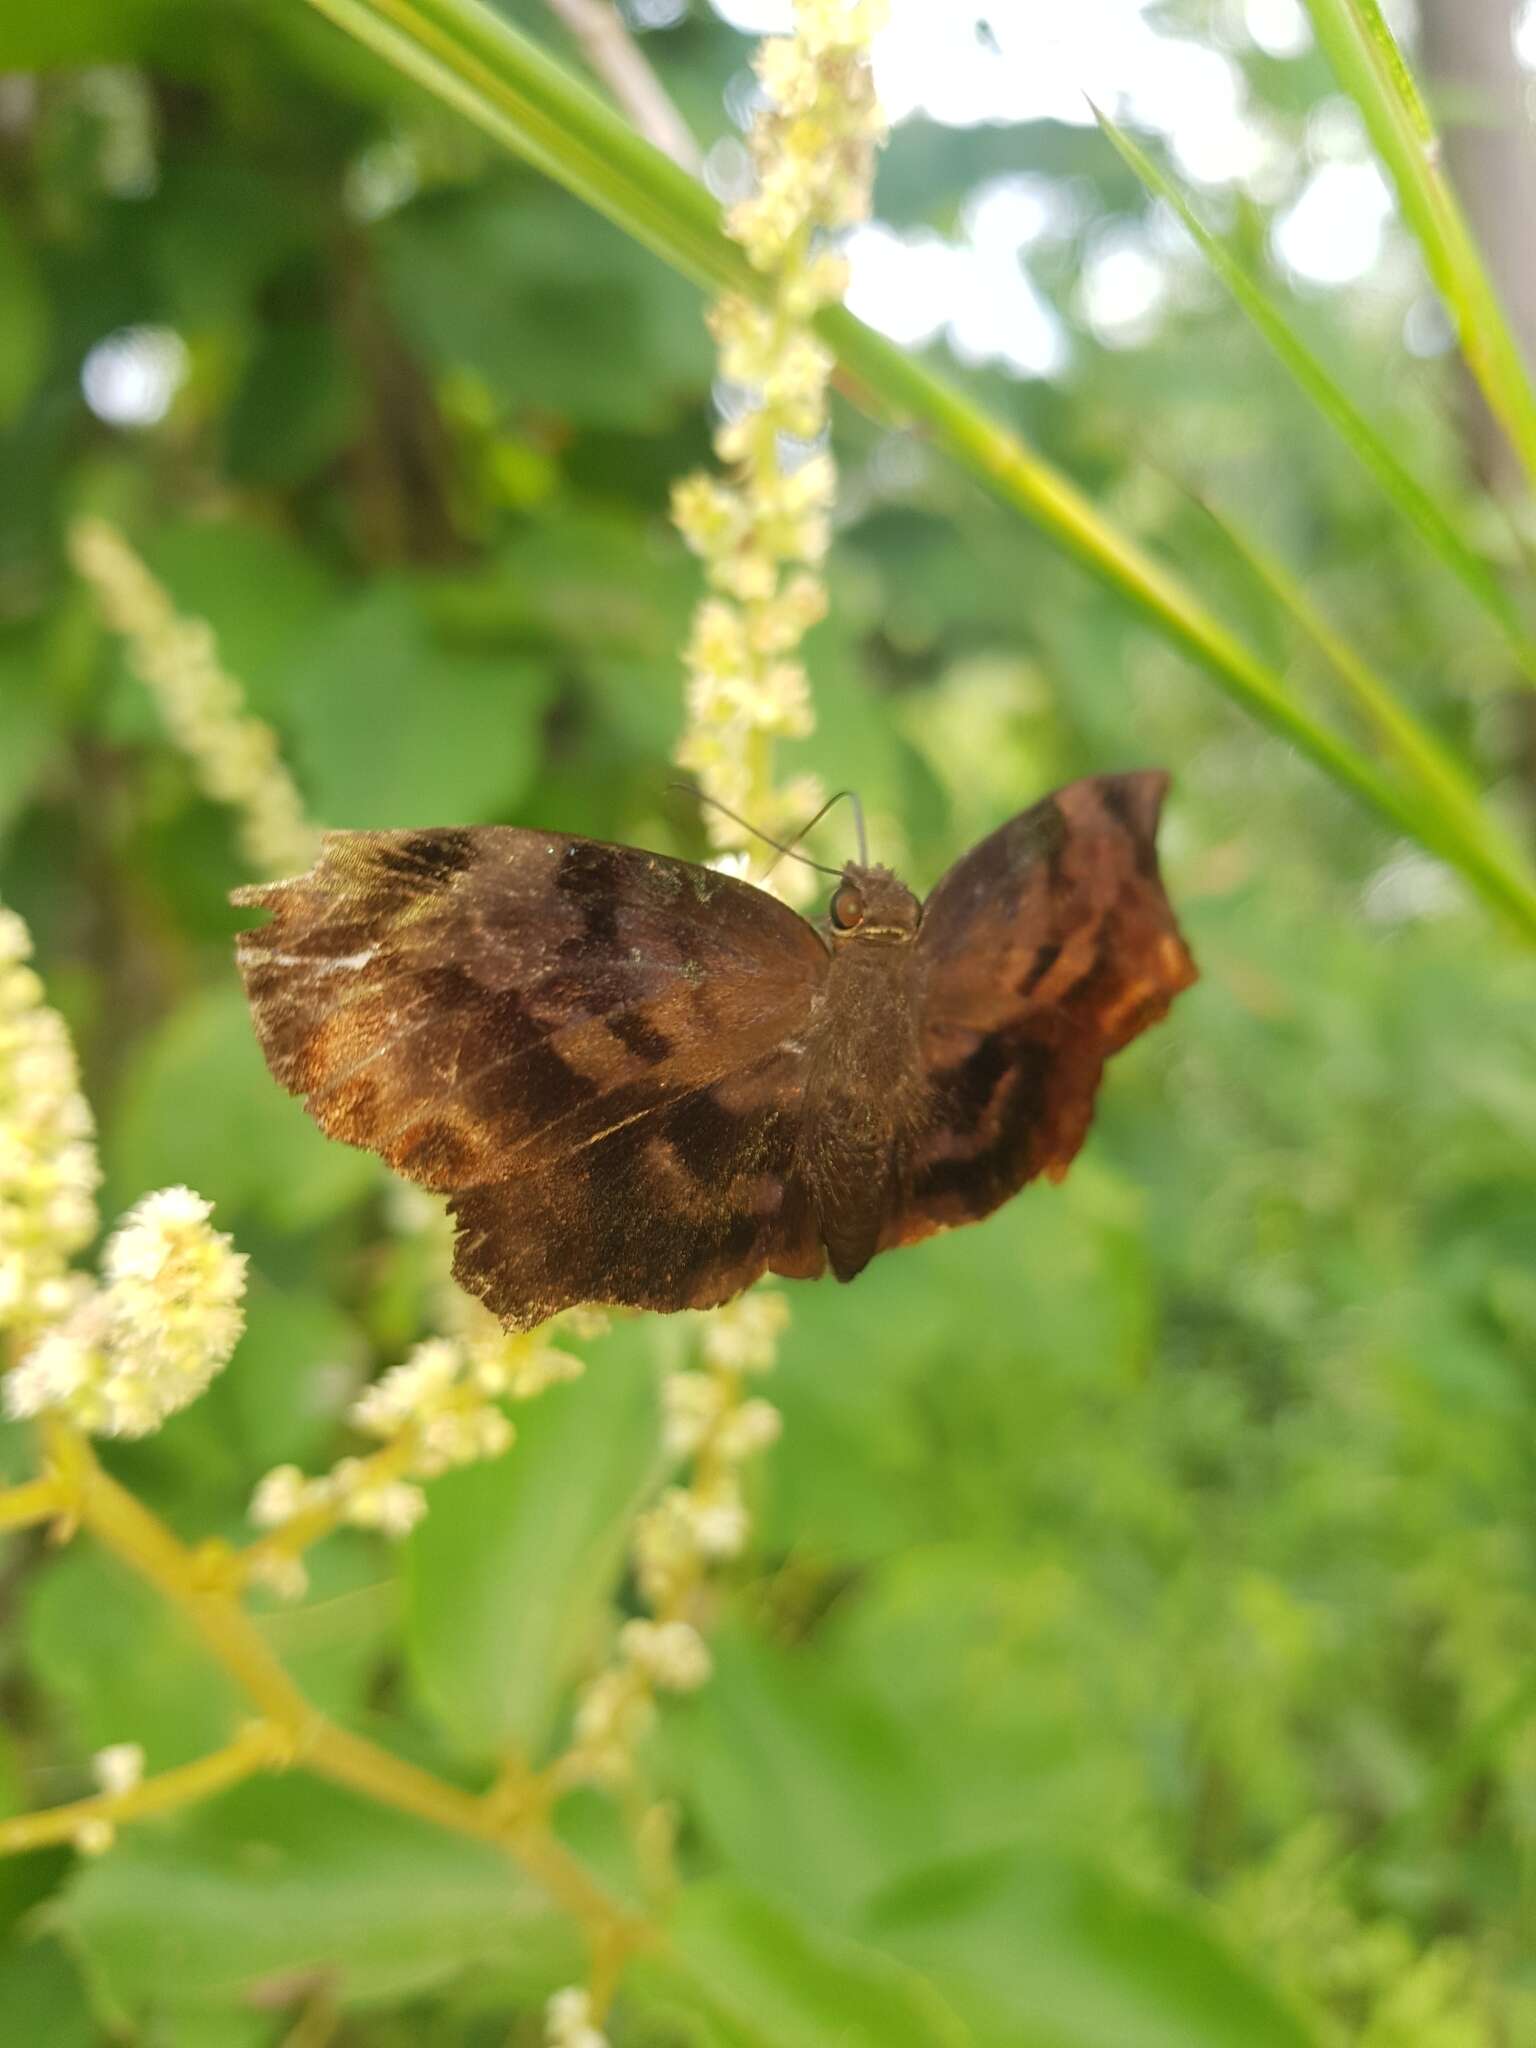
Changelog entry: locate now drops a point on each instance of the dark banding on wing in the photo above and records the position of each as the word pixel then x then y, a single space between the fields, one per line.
pixel 702 1132
pixel 1015 1117
pixel 430 859
pixel 1134 802
pixel 963 1091
pixel 1045 959
pixel 591 874
pixel 637 1035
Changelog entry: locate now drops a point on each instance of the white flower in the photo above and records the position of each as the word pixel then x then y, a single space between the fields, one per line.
pixel 672 1654
pixel 743 1336
pixel 149 1341
pixel 234 756
pixel 280 1495
pixel 48 1169
pixel 279 1573
pixel 812 146
pixel 540 1365
pixel 392 1506
pixel 411 1391
pixel 692 1403
pixel 119 1767
pixel 568 2021
pixel 720 1522
pixel 750 1428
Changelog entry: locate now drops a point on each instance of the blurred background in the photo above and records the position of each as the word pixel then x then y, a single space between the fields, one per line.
pixel 1177 1521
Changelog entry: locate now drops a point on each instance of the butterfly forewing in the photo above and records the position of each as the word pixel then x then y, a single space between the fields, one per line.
pixel 1043 951
pixel 573 1039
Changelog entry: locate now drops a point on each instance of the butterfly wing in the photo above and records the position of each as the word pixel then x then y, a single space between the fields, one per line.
pixel 1047 948
pixel 593 1050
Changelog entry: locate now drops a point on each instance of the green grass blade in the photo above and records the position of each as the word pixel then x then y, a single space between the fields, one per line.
pixel 500 79
pixel 1372 70
pixel 1368 445
pixel 1440 772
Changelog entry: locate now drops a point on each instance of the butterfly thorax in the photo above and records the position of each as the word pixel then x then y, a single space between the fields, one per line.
pixel 865 1091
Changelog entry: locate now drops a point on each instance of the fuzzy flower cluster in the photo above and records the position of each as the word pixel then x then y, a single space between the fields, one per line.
pixel 118 1770
pixel 712 1427
pixel 148 1340
pixel 763 532
pixel 234 756
pixel 48 1170
pixel 569 2021
pixel 435 1411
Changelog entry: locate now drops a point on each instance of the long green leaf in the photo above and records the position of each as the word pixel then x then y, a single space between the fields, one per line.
pixel 1359 435
pixel 1445 778
pixel 1372 70
pixel 503 81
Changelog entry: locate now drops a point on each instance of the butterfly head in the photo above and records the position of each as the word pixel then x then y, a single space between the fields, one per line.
pixel 873 904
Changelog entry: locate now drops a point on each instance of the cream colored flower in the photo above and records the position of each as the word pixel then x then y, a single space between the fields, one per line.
pixel 761 530
pixel 48 1168
pixel 568 2021
pixel 233 755
pixel 118 1767
pixel 672 1654
pixel 743 1337
pixel 149 1340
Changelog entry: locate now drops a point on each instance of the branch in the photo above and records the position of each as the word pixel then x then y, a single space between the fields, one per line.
pixel 257 1747
pixel 292 1730
pixel 39 1500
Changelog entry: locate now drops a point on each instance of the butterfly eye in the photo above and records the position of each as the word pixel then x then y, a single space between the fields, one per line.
pixel 847 908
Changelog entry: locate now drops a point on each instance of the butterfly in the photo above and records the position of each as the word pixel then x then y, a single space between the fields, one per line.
pixel 645 1083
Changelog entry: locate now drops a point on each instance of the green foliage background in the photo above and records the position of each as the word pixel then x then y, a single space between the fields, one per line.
pixel 1136 1650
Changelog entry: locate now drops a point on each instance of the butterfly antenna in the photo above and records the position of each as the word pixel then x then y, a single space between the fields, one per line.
pixel 811 825
pixel 767 837
pixel 858 823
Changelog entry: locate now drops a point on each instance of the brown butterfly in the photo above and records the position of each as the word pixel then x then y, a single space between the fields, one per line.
pixel 642 1082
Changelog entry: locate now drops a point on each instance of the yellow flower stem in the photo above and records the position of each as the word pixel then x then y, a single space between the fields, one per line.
pixel 393 1460
pixel 147 1547
pixel 39 1500
pixel 293 1730
pixel 346 1759
pixel 303 1530
pixel 256 1748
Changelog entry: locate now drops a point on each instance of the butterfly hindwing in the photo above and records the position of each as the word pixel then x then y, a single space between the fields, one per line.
pixel 1048 947
pixel 679 1209
pixel 593 1049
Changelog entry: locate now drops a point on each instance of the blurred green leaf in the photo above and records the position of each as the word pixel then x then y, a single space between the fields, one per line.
pixel 262 593
pixel 776 1976
pixel 1037 1950
pixel 861 1812
pixel 198 1107
pixel 85 32
pixel 124 1665
pixel 24 327
pixel 509 1578
pixel 513 292
pixel 393 727
pixel 25 1881
pixel 28 727
pixel 278 1880
pixel 42 1998
pixel 299 405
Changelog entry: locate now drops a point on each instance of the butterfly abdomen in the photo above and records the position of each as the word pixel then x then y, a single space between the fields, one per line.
pixel 865 1093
